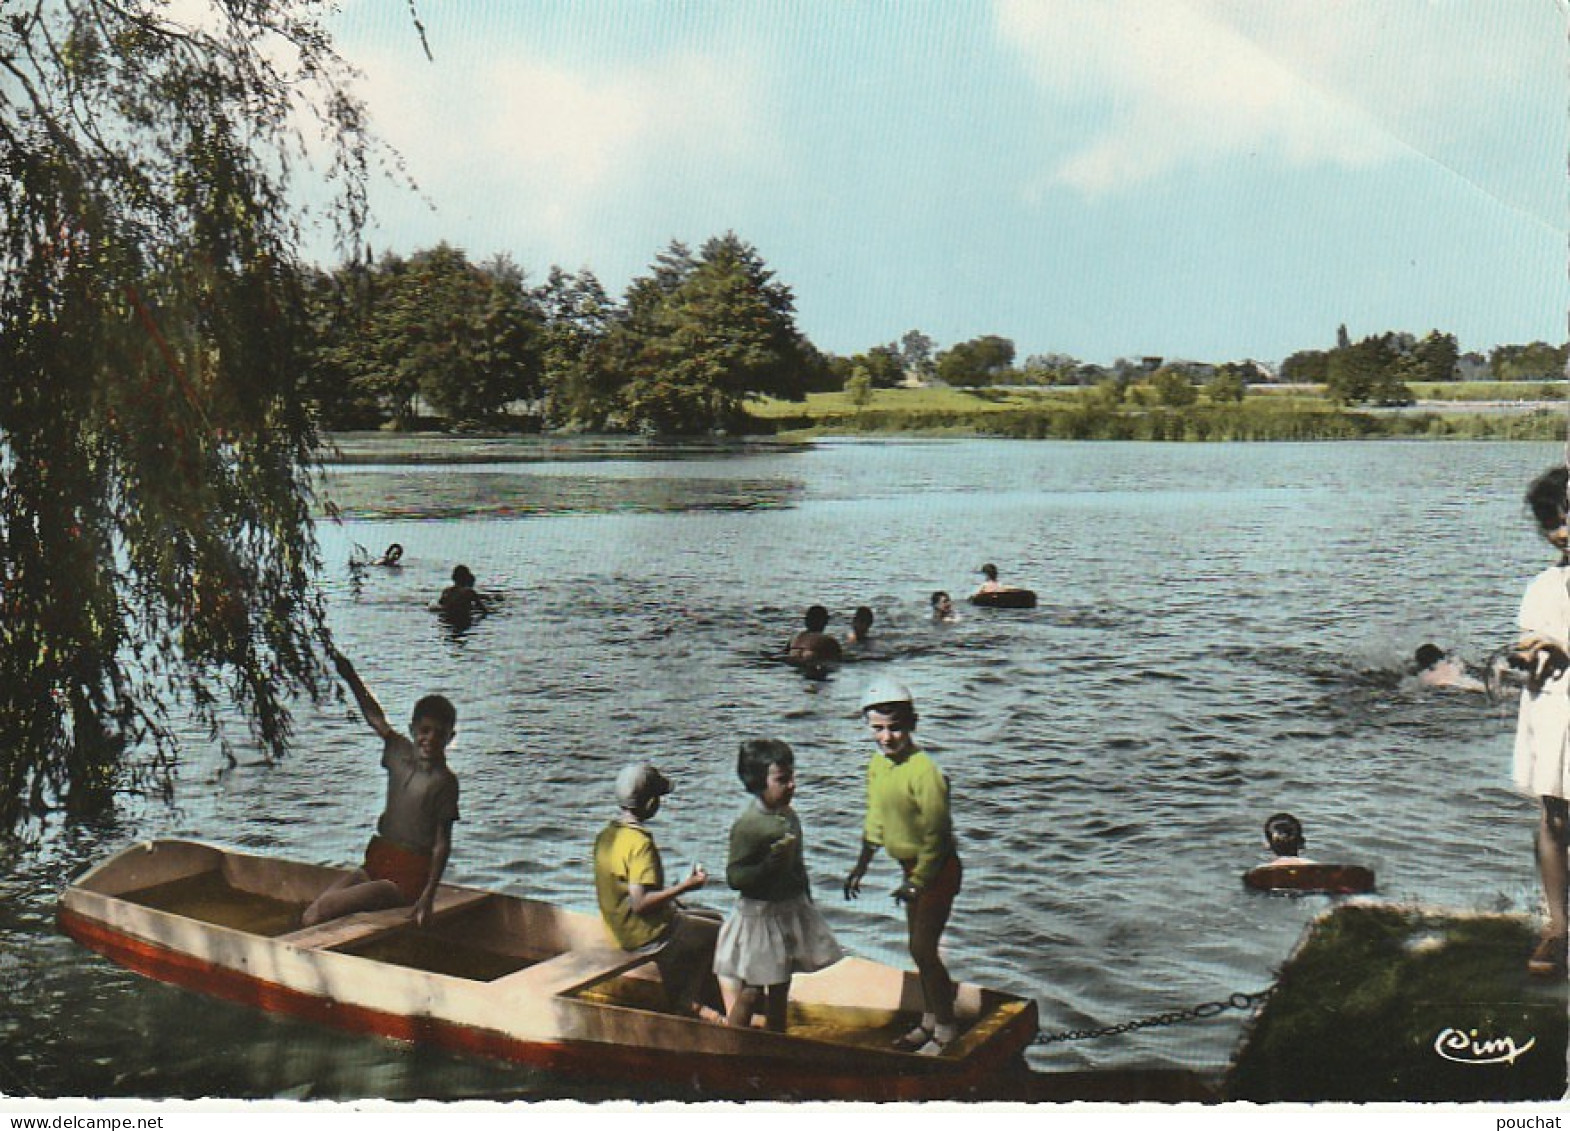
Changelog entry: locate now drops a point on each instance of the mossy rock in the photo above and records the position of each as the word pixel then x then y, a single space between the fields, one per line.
pixel 1383 1003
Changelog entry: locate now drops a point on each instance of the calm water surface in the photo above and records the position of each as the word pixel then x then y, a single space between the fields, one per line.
pixel 1223 633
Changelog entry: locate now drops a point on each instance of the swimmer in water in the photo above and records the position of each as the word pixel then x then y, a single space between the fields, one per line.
pixel 812 644
pixel 1284 835
pixel 943 608
pixel 392 556
pixel 460 602
pixel 1436 669
pixel 860 626
pixel 991 584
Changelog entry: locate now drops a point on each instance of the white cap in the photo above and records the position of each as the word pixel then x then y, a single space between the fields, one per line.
pixel 638 782
pixel 885 691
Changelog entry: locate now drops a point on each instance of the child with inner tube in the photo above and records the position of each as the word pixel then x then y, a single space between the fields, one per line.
pixel 1284 835
pixel 641 911
pixel 990 584
pixel 776 930
pixel 1540 765
pixel 406 858
pixel 908 816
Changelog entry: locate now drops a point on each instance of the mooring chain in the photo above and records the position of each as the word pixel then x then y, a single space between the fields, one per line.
pixel 1239 1001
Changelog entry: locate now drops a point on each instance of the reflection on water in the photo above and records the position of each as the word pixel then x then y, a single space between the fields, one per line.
pixel 1223 633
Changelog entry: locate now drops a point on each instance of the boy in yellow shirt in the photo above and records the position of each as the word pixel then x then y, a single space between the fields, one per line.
pixel 908 816
pixel 641 911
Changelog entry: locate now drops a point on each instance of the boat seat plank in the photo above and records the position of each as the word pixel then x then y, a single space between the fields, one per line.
pixel 367 924
pixel 574 968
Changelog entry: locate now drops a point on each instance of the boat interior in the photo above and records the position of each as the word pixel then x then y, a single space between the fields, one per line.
pixel 508 941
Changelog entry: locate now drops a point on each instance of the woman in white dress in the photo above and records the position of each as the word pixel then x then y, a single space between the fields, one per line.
pixel 1541 764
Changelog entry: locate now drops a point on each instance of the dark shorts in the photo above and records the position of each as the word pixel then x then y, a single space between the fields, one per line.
pixel 938 895
pixel 408 870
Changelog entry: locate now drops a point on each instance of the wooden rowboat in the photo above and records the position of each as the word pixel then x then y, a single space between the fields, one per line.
pixel 517 979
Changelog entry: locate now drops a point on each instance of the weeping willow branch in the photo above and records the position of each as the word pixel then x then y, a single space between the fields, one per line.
pixel 157 464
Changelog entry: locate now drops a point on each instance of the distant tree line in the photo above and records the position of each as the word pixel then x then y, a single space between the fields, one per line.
pixel 403 342
pixel 404 339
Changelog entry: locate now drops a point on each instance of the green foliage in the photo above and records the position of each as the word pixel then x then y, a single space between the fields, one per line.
pixel 464 339
pixel 1358 1009
pixel 1434 358
pixel 155 452
pixel 917 354
pixel 858 387
pixel 1173 388
pixel 578 317
pixel 1537 361
pixel 1306 367
pixel 1094 414
pixel 702 334
pixel 1374 369
pixel 1227 385
pixel 980 361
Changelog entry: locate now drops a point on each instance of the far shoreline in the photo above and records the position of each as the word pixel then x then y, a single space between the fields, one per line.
pixel 1259 420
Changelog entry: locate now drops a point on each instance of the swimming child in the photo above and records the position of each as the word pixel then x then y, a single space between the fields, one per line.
pixel 943 608
pixel 813 645
pixel 460 602
pixel 392 556
pixel 1436 669
pixel 406 858
pixel 908 816
pixel 642 913
pixel 1284 835
pixel 860 626
pixel 1540 767
pixel 991 584
pixel 776 929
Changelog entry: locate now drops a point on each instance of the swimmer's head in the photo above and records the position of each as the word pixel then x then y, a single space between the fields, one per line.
pixel 990 571
pixel 1427 655
pixel 1284 834
pixel 462 576
pixel 861 619
pixel 817 618
pixel 1545 498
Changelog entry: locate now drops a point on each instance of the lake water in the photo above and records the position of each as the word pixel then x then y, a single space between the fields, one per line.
pixel 1223 632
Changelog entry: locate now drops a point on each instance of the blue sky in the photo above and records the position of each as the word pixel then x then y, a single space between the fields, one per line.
pixel 1206 179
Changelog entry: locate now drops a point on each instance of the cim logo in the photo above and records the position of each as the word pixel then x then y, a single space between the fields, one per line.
pixel 1466 1048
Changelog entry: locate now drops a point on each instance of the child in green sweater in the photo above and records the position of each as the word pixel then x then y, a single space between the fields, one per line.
pixel 776 930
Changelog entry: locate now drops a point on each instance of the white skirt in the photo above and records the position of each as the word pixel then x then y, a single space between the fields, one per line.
pixel 1542 759
pixel 764 942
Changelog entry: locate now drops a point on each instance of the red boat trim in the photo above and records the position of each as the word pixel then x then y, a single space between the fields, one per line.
pixel 714 1075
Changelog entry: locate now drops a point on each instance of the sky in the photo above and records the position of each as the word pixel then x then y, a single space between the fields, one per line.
pixel 1202 179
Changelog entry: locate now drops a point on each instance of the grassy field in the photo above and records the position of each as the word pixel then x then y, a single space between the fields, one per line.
pixel 1514 411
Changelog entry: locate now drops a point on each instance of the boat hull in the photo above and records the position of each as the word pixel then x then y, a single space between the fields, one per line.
pixel 580 1008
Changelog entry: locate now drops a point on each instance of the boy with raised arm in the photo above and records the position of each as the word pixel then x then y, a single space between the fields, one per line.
pixel 406 858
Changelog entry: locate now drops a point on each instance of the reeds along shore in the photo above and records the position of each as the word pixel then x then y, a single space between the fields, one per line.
pixel 1261 420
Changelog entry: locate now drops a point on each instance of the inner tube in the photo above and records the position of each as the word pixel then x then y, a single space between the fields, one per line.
pixel 1337 879
pixel 1005 599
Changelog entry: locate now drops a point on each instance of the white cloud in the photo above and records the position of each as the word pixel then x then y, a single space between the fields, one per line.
pixel 551 146
pixel 1309 81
